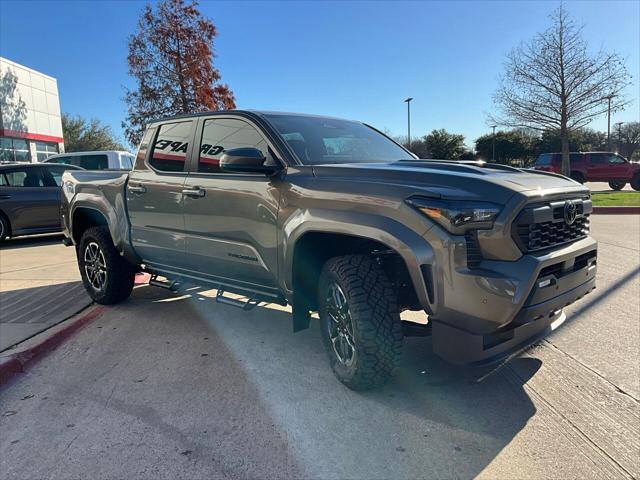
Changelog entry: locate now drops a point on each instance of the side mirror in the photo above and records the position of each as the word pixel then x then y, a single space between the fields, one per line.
pixel 245 160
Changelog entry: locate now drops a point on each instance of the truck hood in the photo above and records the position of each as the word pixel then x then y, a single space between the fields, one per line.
pixel 454 180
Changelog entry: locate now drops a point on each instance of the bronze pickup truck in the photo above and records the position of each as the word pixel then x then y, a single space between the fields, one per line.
pixel 332 216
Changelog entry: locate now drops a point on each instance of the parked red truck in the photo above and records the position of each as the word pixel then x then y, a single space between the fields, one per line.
pixel 594 167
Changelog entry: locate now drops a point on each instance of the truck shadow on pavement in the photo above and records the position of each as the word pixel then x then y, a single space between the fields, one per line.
pixel 31 241
pixel 432 420
pixel 175 385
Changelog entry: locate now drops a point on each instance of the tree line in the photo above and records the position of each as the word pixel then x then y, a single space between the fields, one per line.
pixel 521 146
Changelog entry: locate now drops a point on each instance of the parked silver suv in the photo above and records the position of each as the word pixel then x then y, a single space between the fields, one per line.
pixel 332 216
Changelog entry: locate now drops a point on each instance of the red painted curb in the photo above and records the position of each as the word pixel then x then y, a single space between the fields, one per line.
pixel 142 279
pixel 11 365
pixel 617 210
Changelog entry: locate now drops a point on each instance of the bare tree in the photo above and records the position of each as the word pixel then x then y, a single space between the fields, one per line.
pixel 171 58
pixel 554 83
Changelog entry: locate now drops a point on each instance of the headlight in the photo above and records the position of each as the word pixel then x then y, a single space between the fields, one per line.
pixel 457 216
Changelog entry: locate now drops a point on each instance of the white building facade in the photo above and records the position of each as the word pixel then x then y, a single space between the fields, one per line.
pixel 30 119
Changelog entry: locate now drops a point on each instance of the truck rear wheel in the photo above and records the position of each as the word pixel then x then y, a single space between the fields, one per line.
pixel 107 277
pixel 617 185
pixel 360 322
pixel 635 182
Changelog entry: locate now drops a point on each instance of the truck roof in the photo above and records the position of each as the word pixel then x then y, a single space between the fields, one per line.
pixel 256 113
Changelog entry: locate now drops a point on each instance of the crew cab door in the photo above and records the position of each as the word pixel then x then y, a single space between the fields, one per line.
pixel 154 195
pixel 230 218
pixel 597 167
pixel 30 198
pixel 619 168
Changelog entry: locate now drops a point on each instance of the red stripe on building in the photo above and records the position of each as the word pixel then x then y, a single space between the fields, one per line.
pixel 30 136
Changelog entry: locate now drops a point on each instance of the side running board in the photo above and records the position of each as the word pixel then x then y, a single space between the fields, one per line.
pixel 172 285
pixel 249 304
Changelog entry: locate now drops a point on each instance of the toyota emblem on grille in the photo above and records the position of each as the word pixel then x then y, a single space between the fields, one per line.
pixel 570 212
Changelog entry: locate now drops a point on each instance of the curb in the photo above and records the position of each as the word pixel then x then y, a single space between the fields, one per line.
pixel 617 210
pixel 142 279
pixel 42 343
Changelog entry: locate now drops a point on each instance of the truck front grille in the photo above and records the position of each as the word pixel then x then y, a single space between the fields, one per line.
pixel 544 226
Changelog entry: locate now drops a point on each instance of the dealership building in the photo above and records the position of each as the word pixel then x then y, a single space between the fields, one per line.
pixel 30 122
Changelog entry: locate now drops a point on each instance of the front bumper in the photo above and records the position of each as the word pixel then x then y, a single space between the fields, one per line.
pixel 484 314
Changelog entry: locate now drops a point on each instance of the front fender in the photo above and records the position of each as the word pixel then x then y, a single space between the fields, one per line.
pixel 409 244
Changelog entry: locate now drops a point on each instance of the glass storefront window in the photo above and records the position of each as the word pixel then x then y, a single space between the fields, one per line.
pixel 44 150
pixel 14 150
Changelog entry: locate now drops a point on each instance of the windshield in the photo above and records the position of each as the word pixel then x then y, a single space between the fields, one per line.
pixel 317 141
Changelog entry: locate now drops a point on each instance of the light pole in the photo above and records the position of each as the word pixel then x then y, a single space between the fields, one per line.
pixel 408 101
pixel 619 125
pixel 609 123
pixel 493 141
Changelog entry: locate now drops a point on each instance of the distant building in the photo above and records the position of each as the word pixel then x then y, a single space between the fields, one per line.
pixel 30 123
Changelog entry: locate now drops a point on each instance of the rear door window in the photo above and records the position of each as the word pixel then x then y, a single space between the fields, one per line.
pixel 544 159
pixel 59 160
pixel 170 148
pixel 575 157
pixel 93 162
pixel 55 172
pixel 28 177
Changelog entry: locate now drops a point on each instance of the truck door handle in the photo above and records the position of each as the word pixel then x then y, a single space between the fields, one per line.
pixel 5 197
pixel 137 189
pixel 194 192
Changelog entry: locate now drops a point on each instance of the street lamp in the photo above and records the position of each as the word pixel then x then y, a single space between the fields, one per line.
pixel 408 101
pixel 493 141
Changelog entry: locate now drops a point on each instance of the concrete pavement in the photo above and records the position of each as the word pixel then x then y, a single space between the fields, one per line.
pixel 39 286
pixel 176 386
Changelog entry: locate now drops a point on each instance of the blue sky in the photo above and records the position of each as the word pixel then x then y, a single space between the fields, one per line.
pixel 350 59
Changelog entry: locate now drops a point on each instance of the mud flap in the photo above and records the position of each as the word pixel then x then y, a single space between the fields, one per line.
pixel 301 317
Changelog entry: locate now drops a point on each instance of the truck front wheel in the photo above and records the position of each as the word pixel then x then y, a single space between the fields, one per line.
pixel 360 322
pixel 635 182
pixel 107 277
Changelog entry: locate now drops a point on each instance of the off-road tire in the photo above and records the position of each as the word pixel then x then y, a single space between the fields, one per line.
pixel 617 185
pixel 577 176
pixel 5 228
pixel 119 273
pixel 377 329
pixel 635 182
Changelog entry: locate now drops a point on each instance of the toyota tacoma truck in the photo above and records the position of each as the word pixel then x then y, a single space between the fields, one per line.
pixel 331 216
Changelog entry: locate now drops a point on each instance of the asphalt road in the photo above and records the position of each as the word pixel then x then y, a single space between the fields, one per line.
pixel 175 386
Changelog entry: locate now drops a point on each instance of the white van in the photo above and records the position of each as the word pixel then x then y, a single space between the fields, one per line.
pixel 105 160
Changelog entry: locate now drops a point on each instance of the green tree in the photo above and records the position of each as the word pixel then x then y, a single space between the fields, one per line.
pixel 513 147
pixel 583 140
pixel 554 83
pixel 419 147
pixel 628 137
pixel 82 135
pixel 442 145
